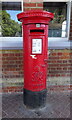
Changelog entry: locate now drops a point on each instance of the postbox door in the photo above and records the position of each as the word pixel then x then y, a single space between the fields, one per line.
pixel 36 67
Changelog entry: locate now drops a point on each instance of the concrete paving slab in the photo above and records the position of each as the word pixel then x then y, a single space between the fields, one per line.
pixel 57 106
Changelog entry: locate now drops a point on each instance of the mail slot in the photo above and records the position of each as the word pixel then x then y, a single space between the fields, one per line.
pixel 36 31
pixel 35 47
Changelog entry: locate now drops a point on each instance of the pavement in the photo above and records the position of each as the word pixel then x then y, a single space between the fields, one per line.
pixel 57 106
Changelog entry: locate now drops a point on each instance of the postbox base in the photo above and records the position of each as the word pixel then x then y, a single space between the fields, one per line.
pixel 34 99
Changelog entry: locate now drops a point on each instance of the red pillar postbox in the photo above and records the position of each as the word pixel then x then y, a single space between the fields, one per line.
pixel 35 46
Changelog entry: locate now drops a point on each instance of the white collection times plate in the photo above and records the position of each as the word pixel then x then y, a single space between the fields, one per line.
pixel 36 46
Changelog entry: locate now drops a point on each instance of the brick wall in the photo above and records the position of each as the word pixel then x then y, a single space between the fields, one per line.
pixel 12 70
pixel 33 5
pixel 59 66
pixel 12 63
pixel 60 63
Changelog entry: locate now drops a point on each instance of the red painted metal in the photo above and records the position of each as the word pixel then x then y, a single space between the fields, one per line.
pixel 35 64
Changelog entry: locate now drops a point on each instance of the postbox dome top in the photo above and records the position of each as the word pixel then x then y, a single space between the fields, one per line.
pixel 35 13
